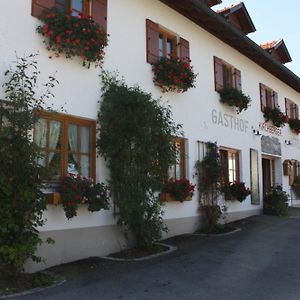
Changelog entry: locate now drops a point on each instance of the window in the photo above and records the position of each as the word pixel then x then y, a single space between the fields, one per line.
pixel 229 165
pixel 291 109
pixel 163 43
pixel 268 97
pixel 167 45
pixel 96 8
pixel 226 75
pixel 178 169
pixel 67 143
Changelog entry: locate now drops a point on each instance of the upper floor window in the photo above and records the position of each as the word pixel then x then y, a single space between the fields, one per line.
pixel 178 168
pixel 268 97
pixel 291 109
pixel 67 144
pixel 229 165
pixel 163 43
pixel 97 9
pixel 226 75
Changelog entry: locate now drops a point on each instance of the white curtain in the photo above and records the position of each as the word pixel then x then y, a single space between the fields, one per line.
pixel 40 138
pixel 54 137
pixel 73 142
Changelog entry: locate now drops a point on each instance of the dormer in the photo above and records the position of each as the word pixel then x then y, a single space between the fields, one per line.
pixel 211 3
pixel 238 15
pixel 278 50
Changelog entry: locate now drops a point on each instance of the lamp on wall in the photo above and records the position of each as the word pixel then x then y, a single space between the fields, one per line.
pixel 287 142
pixel 256 132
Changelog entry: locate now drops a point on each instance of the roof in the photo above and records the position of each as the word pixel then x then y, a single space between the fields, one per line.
pixel 212 2
pixel 278 50
pixel 238 15
pixel 199 13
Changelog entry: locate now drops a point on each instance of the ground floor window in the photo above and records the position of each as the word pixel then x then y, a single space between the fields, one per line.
pixel 178 168
pixel 230 170
pixel 67 144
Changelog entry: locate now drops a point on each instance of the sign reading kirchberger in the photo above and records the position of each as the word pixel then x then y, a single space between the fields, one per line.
pixel 231 122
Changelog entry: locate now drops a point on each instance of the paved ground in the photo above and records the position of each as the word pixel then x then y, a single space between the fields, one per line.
pixel 260 262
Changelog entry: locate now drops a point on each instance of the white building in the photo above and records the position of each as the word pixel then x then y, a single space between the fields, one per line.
pixel 220 52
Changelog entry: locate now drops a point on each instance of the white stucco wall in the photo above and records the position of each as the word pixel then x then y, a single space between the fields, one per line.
pixel 79 90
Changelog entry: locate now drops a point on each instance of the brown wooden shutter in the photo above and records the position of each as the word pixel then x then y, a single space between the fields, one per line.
pixel 263 97
pixel 296 111
pixel 38 7
pixel 287 107
pixel 152 34
pixel 275 99
pixel 218 67
pixel 237 79
pixel 184 47
pixel 99 13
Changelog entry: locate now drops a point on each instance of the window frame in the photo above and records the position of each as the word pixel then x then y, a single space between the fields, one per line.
pixel 86 11
pixel 182 142
pixel 65 120
pixel 291 109
pixel 166 34
pixel 225 178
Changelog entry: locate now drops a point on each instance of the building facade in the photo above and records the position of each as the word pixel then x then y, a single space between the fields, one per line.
pixel 257 152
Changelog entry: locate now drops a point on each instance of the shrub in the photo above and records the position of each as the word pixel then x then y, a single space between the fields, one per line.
pixel 21 176
pixel 173 74
pixel 233 97
pixel 79 190
pixel 179 189
pixel 295 125
pixel 235 191
pixel 73 36
pixel 275 115
pixel 276 202
pixel 296 186
pixel 135 140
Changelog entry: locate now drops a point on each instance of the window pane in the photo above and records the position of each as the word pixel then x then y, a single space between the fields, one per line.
pixel 73 138
pixel 54 161
pixel 169 48
pixel 161 45
pixel 85 140
pixel 54 135
pixel 85 165
pixel 76 7
pixel 40 133
pixel 73 166
pixel 42 159
pixel 61 5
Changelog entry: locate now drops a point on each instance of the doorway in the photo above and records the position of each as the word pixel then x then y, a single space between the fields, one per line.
pixel 268 172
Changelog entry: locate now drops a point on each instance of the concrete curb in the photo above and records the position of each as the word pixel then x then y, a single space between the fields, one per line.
pixel 170 250
pixel 59 281
pixel 237 229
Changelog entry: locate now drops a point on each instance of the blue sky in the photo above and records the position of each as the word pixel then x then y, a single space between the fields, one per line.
pixel 275 19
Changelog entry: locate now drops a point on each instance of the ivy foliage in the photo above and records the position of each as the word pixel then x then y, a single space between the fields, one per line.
pixel 209 172
pixel 21 177
pixel 135 140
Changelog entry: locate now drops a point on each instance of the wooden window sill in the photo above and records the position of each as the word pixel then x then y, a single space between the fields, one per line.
pixel 166 197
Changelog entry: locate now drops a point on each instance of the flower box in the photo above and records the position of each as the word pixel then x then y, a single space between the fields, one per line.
pixel 167 197
pixel 54 198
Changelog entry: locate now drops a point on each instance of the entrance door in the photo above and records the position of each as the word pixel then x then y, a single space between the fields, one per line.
pixel 268 174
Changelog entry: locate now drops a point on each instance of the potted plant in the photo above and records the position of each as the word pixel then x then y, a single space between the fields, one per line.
pixel 178 190
pixel 235 191
pixel 295 125
pixel 296 186
pixel 173 74
pixel 233 97
pixel 73 36
pixel 275 115
pixel 276 202
pixel 77 190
